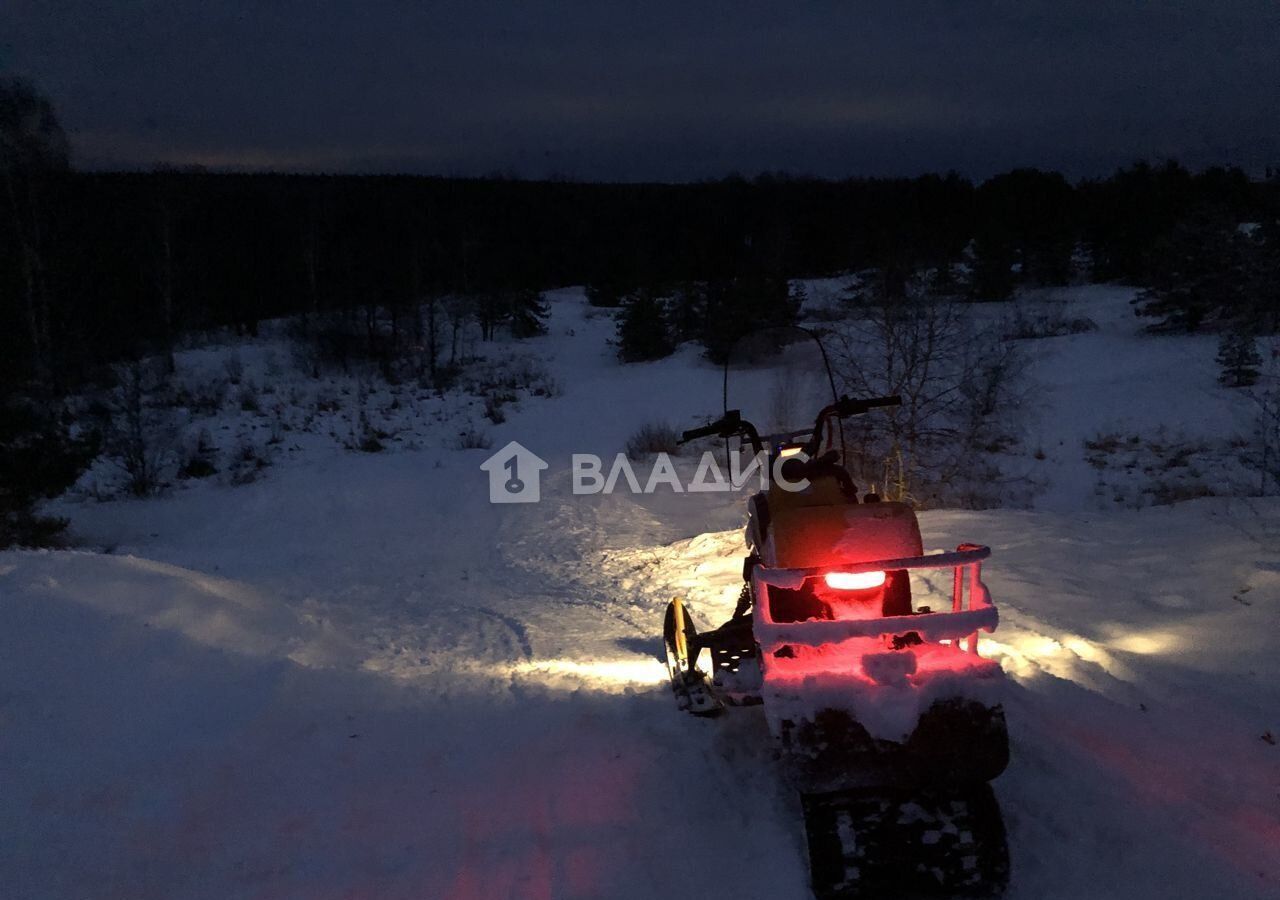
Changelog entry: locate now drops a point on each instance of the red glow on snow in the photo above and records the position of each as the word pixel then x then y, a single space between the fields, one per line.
pixel 844 662
pixel 854 581
pixel 546 824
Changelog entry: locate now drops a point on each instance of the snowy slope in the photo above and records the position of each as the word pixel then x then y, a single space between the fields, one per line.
pixel 1118 380
pixel 357 678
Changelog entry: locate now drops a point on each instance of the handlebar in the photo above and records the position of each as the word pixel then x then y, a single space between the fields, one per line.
pixel 847 406
pixel 694 433
pixel 731 424
pixel 726 426
pixel 844 407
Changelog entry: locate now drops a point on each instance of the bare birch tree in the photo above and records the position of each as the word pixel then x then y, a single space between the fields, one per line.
pixel 960 392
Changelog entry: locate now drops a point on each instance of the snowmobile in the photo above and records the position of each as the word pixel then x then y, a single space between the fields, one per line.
pixel 887 719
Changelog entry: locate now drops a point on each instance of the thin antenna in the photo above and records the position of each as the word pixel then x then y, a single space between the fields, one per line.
pixel 826 364
pixel 813 335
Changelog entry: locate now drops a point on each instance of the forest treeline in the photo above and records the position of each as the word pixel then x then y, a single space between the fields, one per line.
pixel 99 270
pixel 98 266
pixel 126 261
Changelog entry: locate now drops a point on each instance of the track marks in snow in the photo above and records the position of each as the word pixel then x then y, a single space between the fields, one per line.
pixel 516 628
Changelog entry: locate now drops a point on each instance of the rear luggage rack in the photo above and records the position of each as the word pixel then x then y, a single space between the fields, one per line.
pixel 961 625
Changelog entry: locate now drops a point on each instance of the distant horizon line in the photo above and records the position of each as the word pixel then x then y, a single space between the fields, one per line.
pixel 1267 173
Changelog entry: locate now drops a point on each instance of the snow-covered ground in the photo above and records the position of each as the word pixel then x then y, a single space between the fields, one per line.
pixel 355 677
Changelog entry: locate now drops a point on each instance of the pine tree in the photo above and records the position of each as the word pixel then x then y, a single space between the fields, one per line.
pixel 1238 358
pixel 606 293
pixel 38 459
pixel 1028 217
pixel 744 304
pixel 529 313
pixel 522 310
pixel 992 267
pixel 643 330
pixel 943 280
pixel 1201 275
pixel 1263 277
pixel 686 311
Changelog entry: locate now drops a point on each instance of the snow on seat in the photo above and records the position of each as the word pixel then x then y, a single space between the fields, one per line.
pixel 803 536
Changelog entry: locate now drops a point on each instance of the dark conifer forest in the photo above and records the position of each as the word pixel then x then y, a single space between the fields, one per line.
pixel 100 266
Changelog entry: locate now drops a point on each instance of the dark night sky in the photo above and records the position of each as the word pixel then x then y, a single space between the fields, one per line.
pixel 663 91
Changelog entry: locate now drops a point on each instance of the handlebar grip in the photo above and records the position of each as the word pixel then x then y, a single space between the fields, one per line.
pixel 894 400
pixel 729 424
pixel 694 433
pixel 847 406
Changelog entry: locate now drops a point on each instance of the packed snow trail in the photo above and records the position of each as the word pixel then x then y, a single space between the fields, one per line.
pixel 250 746
pixel 357 678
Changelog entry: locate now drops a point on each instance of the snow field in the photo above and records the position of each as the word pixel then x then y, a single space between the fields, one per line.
pixel 354 677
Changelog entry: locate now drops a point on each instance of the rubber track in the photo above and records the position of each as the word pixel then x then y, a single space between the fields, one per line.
pixel 906 842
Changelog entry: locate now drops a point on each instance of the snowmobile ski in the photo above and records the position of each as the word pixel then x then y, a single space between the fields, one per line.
pixel 695 696
pixel 694 693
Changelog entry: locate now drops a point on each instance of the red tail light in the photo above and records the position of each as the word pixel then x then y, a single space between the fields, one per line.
pixel 854 581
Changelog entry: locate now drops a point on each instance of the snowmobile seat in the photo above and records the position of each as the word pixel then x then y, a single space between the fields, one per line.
pixel 820 492
pixel 806 533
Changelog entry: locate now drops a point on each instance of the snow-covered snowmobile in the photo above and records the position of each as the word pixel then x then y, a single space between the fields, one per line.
pixel 887 718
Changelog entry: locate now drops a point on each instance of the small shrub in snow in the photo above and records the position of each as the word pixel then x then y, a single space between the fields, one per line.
pixel 1031 326
pixel 248 463
pixel 234 367
pixel 305 357
pixel 511 375
pixel 197 467
pixel 474 439
pixel 1167 493
pixel 249 399
pixel 493 406
pixel 1100 446
pixel 368 439
pixel 591 313
pixel 204 398
pixel 198 460
pixel 1165 467
pixel 446 377
pixel 546 386
pixel 652 438
pixel 274 368
pixel 336 345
